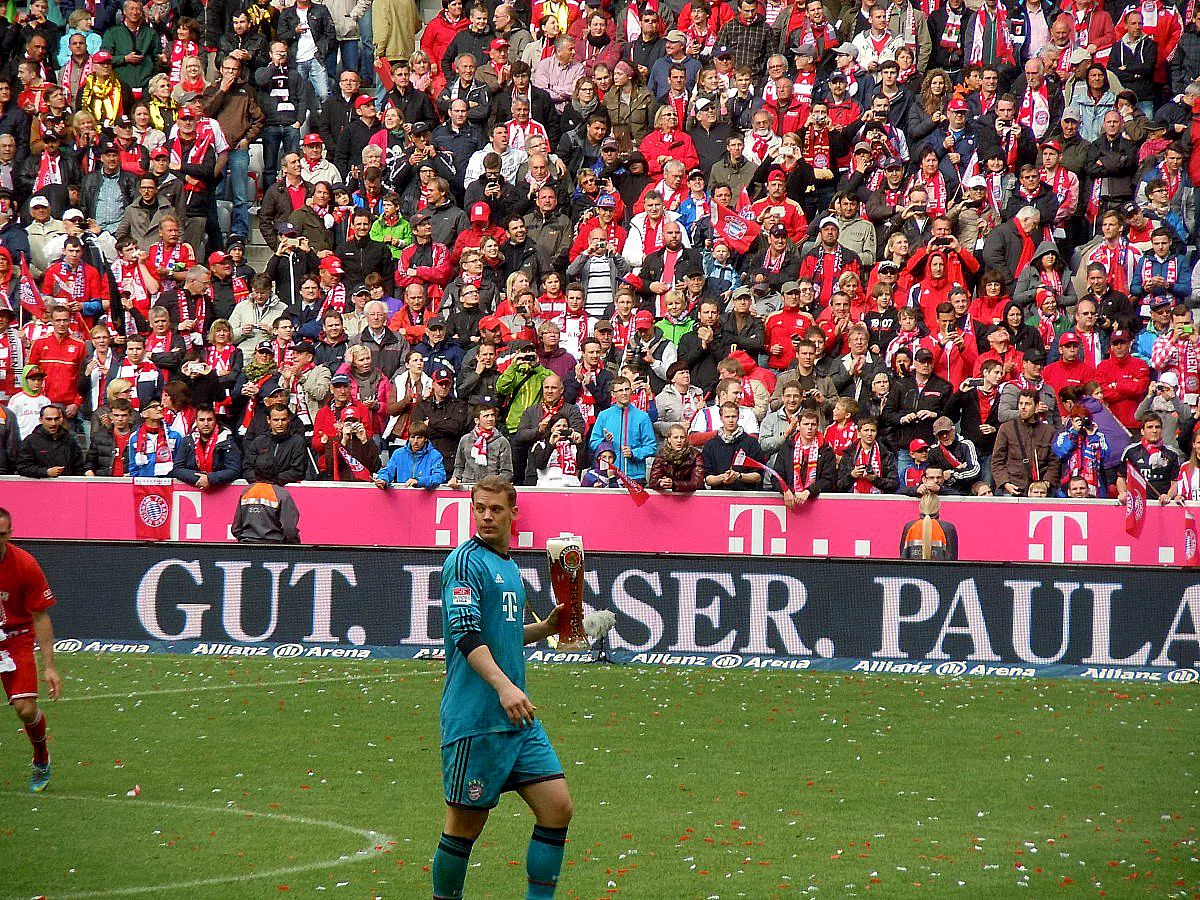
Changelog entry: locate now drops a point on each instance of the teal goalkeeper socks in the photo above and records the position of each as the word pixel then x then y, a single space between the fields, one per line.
pixel 544 861
pixel 450 867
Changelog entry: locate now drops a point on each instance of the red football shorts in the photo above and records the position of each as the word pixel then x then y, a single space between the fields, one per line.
pixel 22 682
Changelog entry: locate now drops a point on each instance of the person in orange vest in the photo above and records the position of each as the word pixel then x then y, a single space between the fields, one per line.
pixel 929 538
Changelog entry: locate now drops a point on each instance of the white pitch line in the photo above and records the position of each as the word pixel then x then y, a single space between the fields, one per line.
pixel 133 695
pixel 377 846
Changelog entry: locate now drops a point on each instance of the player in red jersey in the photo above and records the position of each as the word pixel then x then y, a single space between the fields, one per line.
pixel 24 598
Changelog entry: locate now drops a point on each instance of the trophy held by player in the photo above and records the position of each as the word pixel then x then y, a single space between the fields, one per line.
pixel 565 556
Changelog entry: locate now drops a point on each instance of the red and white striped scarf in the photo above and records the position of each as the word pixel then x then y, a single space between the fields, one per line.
pixel 804 463
pixel 566 457
pixel 195 154
pixel 871 461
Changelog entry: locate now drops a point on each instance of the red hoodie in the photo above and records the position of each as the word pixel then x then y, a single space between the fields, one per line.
pixel 1125 382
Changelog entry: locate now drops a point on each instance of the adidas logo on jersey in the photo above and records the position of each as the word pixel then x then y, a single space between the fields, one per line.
pixel 499 579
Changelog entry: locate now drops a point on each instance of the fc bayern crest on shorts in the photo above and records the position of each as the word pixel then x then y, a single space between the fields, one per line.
pixel 474 790
pixel 154 510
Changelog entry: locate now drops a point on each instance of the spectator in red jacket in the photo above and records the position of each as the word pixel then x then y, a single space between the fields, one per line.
pixel 1124 379
pixel 61 357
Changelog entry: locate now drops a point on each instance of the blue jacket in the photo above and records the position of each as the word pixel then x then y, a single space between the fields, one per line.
pixel 1151 264
pixel 427 467
pixel 182 454
pixel 635 432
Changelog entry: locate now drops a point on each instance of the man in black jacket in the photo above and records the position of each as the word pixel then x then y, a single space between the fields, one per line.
pixel 474 40
pixel 1111 160
pixel 361 256
pixel 445 417
pixel 337 110
pixel 915 403
pixel 287 101
pixel 307 29
pixel 50 451
pixel 282 446
pixel 700 348
pixel 108 189
pixel 217 458
pixel 356 135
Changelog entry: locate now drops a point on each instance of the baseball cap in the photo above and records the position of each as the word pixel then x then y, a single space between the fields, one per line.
pixel 363 100
pixel 779 231
pixel 1171 378
pixel 443 375
pixel 341 378
pixel 489 323
pixel 109 147
pixel 606 201
pixel 1053 145
pixel 278 389
pixel 361 291
pixel 838 75
pixel 435 324
pixel 186 113
pixel 696 173
pixel 603 325
pixel 892 163
pixel 480 212
pixel 264 347
pixel 38 200
pixel 742 291
pixel 1036 356
pixel 313 138
pixel 160 153
pixel 847 49
pixel 889 266
pixel 702 104
pixel 643 319
pixel 1068 337
pixel 498 44
pixel 790 287
pixel 610 143
pixel 420 128
pixel 830 220
pixel 332 264
pixel 807 49
pixel 918 445
pixel 419 217
pixel 218 256
pixel 1157 303
pixel 72 214
pixel 304 347
pixel 102 56
pixel 348 414
pixel 975 181
pixel 1079 55
pixel 1072 113
pixel 722 52
pixel 123 122
pixel 942 424
pixel 862 147
pixel 235 240
pixel 1120 336
pixel 998 330
pixel 676 36
pixel 923 354
pixel 958 104
pixel 776 175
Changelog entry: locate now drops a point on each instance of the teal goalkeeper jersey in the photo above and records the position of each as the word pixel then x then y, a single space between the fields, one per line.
pixel 482 593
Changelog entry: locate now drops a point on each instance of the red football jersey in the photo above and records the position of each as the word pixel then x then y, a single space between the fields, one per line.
pixel 23 589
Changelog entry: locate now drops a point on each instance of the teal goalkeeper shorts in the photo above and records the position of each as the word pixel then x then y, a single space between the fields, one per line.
pixel 476 770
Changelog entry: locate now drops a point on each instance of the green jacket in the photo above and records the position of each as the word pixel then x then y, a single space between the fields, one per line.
pixel 521 392
pixel 380 233
pixel 119 41
pixel 674 333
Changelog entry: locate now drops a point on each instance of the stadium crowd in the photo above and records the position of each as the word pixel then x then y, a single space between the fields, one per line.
pixel 887 247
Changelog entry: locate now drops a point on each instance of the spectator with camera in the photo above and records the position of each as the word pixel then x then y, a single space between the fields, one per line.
pixel 1081 446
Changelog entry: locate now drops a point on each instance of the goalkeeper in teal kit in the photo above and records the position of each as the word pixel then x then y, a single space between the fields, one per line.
pixel 491 740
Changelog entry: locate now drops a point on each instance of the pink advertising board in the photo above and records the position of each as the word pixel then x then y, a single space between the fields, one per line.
pixel 708 523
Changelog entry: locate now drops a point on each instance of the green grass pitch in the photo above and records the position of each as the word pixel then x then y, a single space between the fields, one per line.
pixel 298 778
